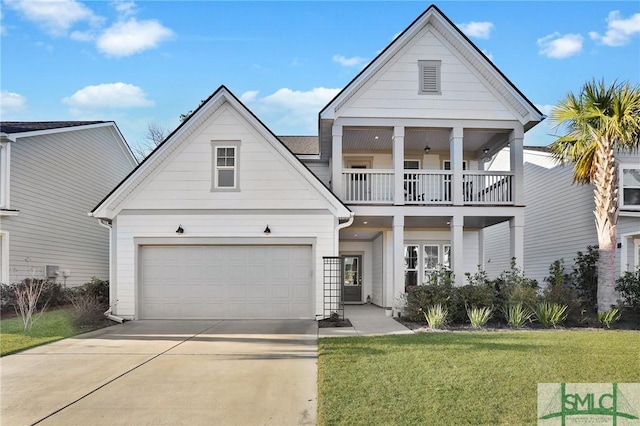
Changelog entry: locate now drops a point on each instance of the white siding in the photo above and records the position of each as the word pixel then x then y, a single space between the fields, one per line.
pixel 129 226
pixel 321 170
pixel 393 92
pixel 55 180
pixel 266 178
pixel 558 220
pixel 377 276
pixel 628 232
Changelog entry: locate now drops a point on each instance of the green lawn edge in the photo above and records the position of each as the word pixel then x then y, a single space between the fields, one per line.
pixel 463 377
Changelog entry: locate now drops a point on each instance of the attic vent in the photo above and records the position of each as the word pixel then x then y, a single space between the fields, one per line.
pixel 429 77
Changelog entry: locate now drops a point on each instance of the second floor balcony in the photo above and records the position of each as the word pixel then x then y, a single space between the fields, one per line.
pixel 426 187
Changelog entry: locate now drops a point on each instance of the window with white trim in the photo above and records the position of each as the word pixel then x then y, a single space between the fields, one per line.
pixel 630 184
pixel 429 77
pixel 225 165
pixel 430 262
pixel 422 261
pixel 411 263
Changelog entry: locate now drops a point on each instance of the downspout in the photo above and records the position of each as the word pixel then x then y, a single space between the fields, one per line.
pixel 107 224
pixel 336 248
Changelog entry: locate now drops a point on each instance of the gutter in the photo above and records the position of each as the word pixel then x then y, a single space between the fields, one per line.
pixel 105 223
pixel 336 248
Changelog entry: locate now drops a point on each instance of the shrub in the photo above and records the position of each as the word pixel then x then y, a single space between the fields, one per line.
pixel 95 288
pixel 512 288
pixel 436 316
pixel 629 287
pixel 442 276
pixel 28 294
pixel 517 314
pixel 419 297
pixel 585 276
pixel 560 290
pixel 550 314
pixel 609 317
pixel 479 316
pixel 466 296
pixel 7 297
pixel 88 310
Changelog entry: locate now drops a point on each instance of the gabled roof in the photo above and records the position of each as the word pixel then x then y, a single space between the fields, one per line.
pixel 433 15
pixel 302 145
pixel 14 130
pixel 12 127
pixel 217 99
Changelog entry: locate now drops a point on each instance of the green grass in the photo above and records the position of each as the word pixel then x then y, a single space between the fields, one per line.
pixel 52 325
pixel 480 378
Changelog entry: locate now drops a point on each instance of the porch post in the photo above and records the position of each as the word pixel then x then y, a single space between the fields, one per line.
pixel 398 259
pixel 457 248
pixel 516 232
pixel 516 153
pixel 456 154
pixel 398 166
pixel 336 161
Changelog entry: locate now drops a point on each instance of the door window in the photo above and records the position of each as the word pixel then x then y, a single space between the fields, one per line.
pixel 410 266
pixel 430 263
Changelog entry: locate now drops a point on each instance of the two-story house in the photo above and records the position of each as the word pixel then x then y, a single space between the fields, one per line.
pixel 51 175
pixel 559 215
pixel 223 220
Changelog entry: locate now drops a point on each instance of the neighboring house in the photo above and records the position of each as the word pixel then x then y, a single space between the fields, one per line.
pixel 51 175
pixel 559 218
pixel 222 220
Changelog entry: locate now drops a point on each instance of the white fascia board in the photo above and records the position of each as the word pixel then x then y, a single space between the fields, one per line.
pixel 16 135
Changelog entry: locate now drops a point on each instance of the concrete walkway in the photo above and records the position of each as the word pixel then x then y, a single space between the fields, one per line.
pixel 367 320
pixel 167 373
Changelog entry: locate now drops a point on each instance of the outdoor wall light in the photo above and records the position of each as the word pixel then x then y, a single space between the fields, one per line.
pixel 267 230
pixel 180 230
pixel 427 148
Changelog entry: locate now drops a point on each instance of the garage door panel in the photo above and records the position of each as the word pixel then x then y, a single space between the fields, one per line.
pixel 226 282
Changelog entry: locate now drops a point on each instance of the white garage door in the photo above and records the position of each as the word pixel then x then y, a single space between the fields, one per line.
pixel 222 282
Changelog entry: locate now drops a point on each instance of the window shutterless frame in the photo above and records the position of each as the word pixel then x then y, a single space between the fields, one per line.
pixel 225 166
pixel 629 186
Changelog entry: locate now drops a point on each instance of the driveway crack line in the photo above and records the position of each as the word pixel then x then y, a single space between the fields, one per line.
pixel 125 373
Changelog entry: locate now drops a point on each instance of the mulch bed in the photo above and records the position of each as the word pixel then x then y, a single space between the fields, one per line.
pixel 328 323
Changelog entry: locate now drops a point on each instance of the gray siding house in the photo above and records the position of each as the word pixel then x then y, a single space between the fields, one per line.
pixel 558 216
pixel 51 175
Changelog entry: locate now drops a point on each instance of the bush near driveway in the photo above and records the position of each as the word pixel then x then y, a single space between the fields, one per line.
pixel 454 378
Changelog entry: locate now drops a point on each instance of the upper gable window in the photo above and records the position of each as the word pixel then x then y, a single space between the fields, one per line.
pixel 429 77
pixel 226 158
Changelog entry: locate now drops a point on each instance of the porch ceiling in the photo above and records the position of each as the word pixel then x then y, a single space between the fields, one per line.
pixel 380 139
pixel 367 227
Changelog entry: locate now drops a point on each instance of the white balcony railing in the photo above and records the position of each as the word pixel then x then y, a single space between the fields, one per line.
pixel 481 187
pixel 368 186
pixel 427 187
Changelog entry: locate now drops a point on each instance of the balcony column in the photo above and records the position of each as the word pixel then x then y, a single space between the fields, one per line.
pixel 457 248
pixel 516 234
pixel 516 153
pixel 398 258
pixel 336 161
pixel 398 166
pixel 456 154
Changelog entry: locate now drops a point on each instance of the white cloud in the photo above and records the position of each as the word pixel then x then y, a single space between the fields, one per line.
pixel 10 103
pixel 125 8
pixel 109 95
pixel 619 30
pixel 545 109
pixel 488 55
pixel 126 38
pixel 54 16
pixel 477 29
pixel 559 46
pixel 289 111
pixel 348 62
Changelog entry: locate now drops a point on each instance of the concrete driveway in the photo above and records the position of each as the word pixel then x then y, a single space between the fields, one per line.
pixel 167 373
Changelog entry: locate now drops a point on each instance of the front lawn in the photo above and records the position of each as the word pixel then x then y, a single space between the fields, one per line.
pixel 53 325
pixel 463 377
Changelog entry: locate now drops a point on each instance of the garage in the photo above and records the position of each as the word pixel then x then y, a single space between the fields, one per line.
pixel 226 282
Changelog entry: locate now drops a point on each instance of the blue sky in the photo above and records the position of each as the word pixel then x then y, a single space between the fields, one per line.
pixel 149 61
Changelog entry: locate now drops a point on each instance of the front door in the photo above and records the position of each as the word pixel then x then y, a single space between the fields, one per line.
pixel 353 278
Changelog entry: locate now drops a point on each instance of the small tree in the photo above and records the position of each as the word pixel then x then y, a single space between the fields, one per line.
pixel 27 294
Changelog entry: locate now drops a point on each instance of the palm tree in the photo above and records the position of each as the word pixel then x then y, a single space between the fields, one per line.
pixel 598 122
